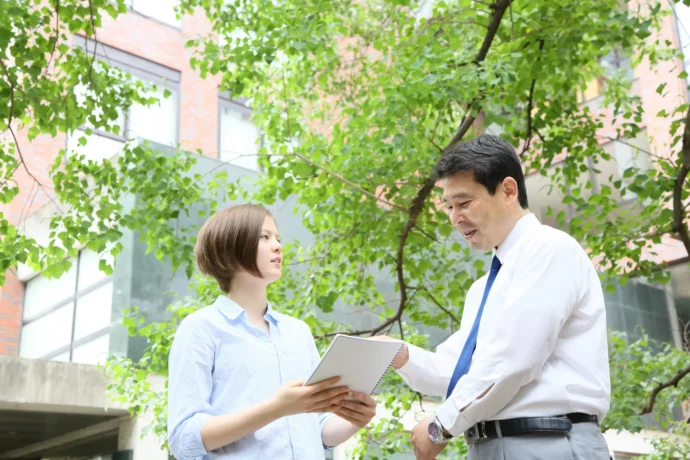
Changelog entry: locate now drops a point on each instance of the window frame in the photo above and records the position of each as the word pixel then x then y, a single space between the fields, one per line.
pixel 131 6
pixel 76 294
pixel 137 66
pixel 225 101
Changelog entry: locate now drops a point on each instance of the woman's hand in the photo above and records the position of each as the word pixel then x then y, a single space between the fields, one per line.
pixel 358 412
pixel 293 398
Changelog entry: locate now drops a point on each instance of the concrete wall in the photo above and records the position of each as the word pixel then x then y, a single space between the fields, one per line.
pixel 30 384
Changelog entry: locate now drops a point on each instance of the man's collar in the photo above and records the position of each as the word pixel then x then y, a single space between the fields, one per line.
pixel 522 227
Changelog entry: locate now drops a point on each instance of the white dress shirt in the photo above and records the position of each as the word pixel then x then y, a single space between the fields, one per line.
pixel 542 343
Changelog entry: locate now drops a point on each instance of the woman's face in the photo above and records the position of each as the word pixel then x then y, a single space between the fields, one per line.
pixel 269 255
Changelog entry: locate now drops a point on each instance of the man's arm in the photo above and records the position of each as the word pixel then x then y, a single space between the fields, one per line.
pixel 541 298
pixel 429 372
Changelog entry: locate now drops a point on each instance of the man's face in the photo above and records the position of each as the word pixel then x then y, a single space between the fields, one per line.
pixel 477 215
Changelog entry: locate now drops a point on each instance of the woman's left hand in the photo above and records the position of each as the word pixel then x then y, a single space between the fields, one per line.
pixel 358 412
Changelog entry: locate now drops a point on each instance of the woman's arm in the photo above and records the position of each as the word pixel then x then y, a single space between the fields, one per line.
pixel 352 416
pixel 290 399
pixel 192 429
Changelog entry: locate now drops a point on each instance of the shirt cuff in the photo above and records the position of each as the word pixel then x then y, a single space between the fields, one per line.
pixel 414 365
pixel 192 447
pixel 452 419
pixel 323 419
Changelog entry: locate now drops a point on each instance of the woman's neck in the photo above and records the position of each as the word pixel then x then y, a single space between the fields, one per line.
pixel 250 294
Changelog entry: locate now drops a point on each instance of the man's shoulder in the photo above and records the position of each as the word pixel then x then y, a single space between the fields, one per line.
pixel 549 239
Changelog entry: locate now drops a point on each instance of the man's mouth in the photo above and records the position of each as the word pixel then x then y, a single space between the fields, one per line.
pixel 468 234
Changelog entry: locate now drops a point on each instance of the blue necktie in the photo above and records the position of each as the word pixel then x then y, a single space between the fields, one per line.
pixel 463 365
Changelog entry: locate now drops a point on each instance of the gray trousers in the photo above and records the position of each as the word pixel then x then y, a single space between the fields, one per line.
pixel 583 442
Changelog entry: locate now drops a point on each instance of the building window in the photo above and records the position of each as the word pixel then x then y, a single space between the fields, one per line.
pixel 682 13
pixel 157 123
pixel 68 318
pixel 99 146
pixel 159 10
pixel 612 63
pixel 239 137
pixel 638 307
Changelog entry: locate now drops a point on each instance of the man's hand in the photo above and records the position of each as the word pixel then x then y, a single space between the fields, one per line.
pixel 358 412
pixel 402 358
pixel 424 449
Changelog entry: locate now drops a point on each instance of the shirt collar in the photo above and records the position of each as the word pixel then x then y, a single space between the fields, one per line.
pixel 522 227
pixel 233 311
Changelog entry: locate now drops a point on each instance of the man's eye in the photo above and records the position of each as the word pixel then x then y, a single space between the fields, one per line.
pixel 465 204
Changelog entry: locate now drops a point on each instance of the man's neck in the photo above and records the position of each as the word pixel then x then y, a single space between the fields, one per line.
pixel 512 221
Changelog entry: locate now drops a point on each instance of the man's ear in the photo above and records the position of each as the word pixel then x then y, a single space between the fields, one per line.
pixel 509 188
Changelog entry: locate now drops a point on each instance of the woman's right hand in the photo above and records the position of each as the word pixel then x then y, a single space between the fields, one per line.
pixel 293 398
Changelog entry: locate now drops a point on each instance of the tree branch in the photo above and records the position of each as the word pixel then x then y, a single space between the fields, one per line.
pixel 95 41
pixel 530 102
pixel 662 386
pixel 9 80
pixel 682 230
pixel 499 8
pixel 678 208
pixel 427 235
pixel 57 34
pixel 324 169
pixel 618 139
pixel 438 304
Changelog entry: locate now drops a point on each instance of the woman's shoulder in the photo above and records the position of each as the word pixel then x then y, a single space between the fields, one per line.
pixel 202 321
pixel 294 324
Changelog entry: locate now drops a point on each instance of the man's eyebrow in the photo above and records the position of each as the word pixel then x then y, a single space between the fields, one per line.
pixel 456 196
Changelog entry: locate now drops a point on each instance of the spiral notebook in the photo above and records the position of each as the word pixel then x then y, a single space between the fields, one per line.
pixel 361 363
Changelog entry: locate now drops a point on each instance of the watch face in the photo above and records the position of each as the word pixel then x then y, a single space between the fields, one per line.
pixel 434 431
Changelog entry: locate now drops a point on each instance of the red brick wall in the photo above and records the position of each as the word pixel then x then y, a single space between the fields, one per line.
pixel 10 315
pixel 198 125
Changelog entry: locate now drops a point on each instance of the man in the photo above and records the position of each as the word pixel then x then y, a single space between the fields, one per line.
pixel 526 376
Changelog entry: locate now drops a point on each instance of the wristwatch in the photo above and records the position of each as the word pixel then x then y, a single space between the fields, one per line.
pixel 437 433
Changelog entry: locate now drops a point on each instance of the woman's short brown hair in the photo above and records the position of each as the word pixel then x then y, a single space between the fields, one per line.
pixel 228 243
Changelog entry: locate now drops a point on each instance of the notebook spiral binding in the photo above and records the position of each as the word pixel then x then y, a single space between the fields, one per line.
pixel 387 369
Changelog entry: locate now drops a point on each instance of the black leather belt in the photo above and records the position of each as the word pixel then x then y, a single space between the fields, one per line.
pixel 518 426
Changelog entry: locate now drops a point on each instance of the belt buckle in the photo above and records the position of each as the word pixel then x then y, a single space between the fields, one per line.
pixel 481 431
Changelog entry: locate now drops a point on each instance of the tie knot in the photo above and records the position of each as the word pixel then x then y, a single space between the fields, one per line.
pixel 495 264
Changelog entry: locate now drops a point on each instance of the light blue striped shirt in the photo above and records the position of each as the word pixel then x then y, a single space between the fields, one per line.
pixel 220 364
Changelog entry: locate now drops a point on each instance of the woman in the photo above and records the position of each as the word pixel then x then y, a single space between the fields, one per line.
pixel 236 367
